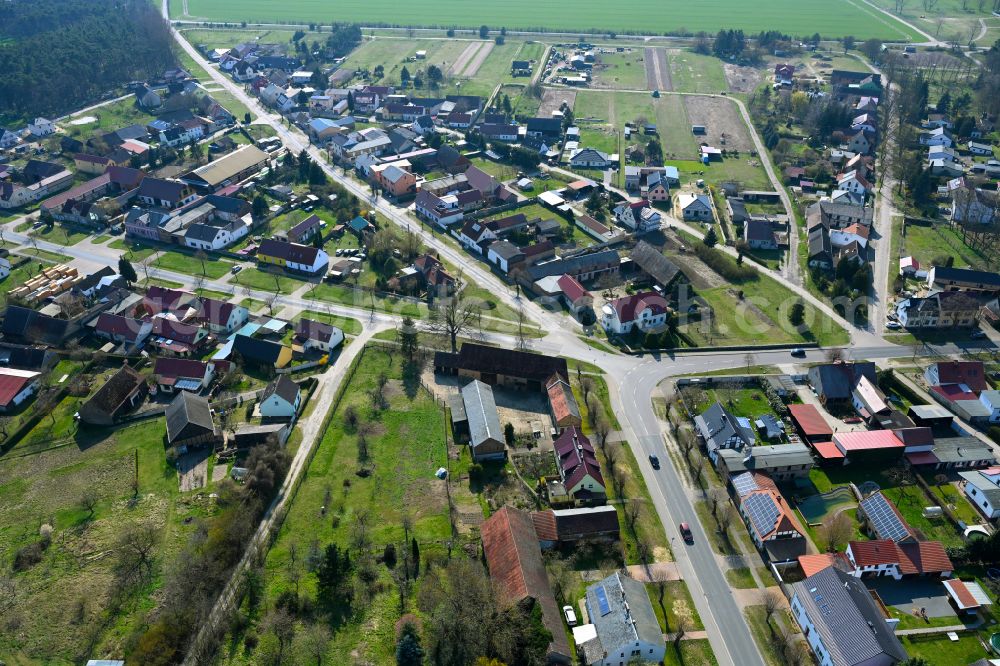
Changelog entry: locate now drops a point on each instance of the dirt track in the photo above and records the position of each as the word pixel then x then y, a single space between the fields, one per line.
pixel 477 62
pixel 463 59
pixel 657 71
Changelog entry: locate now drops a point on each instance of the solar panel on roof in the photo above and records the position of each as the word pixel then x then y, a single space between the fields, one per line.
pixel 762 511
pixel 744 483
pixel 602 600
pixel 884 520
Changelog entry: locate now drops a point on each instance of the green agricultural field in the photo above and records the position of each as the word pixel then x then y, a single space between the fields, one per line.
pixel 691 72
pixel 832 19
pixel 621 70
pixel 221 39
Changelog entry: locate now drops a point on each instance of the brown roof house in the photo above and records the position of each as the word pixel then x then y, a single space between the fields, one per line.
pixel 124 391
pixel 563 526
pixel 501 367
pixel 515 562
pixel 562 403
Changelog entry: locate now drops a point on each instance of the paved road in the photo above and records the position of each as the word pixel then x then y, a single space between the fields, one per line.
pixel 633 381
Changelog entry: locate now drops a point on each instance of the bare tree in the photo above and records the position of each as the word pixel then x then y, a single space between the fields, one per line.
pixel 684 625
pixel 834 354
pixel 835 531
pixel 88 501
pixel 716 497
pixel 522 337
pixel 136 552
pixel 201 256
pixel 270 302
pixel 311 644
pixel 771 601
pixel 279 622
pixel 454 317
pixel 748 359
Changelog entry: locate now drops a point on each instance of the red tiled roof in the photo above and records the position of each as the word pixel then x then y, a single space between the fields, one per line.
pixel 545 525
pixel 961 594
pixel 911 558
pixel 874 552
pixel 827 450
pixel 628 307
pixel 179 368
pixel 927 557
pixel 810 421
pixel 867 440
pixel 922 458
pixel 118 326
pixel 969 373
pixel 953 392
pixel 175 330
pixel 572 288
pixel 813 564
pixel 576 457
pixel 562 401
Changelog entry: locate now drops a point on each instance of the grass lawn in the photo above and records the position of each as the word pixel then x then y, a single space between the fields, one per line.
pixel 169 284
pixel 135 252
pixel 61 602
pixel 788 16
pixel 951 496
pixel 406 445
pixel 346 324
pixel 346 295
pixel 938 650
pixel 696 652
pixel 496 169
pixel 110 117
pixel 927 242
pixel 741 578
pixel 763 632
pixel 211 293
pixel 676 602
pixel 621 70
pixel 59 234
pixel 212 267
pixel 46 254
pixel 691 72
pixel 266 281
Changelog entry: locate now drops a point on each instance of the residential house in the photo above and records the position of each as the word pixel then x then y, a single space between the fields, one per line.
pixel 169 194
pixel 190 422
pixel 547 129
pixel 939 136
pixel 42 127
pixel 642 312
pixel 520 68
pixel 869 401
pixel 16 386
pixel 977 148
pixel 782 462
pixel 292 256
pixel 395 182
pixel 504 132
pixel 131 333
pixel 486 437
pixel 719 430
pixel 974 206
pixel 883 520
pixel 35 181
pixel 569 526
pixel 124 391
pixel 579 471
pixel 983 490
pixel 589 158
pixel 8 138
pixel 174 338
pixel 842 622
pixel 885 557
pixel 281 399
pixel 229 169
pixel 769 518
pixel 222 317
pixel 623 628
pixel 940 310
pixel 181 374
pixel 861 142
pixel 695 207
pixel 514 559
pixel 834 382
pixel 317 335
pixel 784 74
pixel 855 182
pixel 759 235
pixel 971 375
pixel 820 248
pixel 443 211
pixel 639 217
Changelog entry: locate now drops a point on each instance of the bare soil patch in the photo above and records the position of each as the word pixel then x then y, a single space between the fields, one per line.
pixel 742 79
pixel 697 272
pixel 553 99
pixel 724 127
pixel 657 70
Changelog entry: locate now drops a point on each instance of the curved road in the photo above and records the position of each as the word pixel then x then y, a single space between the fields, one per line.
pixel 632 381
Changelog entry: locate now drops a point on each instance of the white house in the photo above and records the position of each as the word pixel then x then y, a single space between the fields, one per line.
pixel 281 399
pixel 221 316
pixel 293 256
pixel 590 158
pixel 842 622
pixel 215 234
pixel 982 487
pixel 860 143
pixel 639 216
pixel 977 148
pixel 42 127
pixel 644 311
pixel 991 400
pixel 8 138
pixel 854 182
pixel 695 206
pixel 939 136
pixel 317 335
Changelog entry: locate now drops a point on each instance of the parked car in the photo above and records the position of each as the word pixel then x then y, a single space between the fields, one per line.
pixel 235 269
pixel 978 335
pixel 798 351
pixel 570 615
pixel 686 533
pixel 654 461
pixel 893 325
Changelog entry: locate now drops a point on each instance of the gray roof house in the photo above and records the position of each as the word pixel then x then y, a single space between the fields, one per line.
pixel 835 381
pixel 624 625
pixel 782 462
pixel 722 430
pixel 486 439
pixel 842 623
pixel 189 421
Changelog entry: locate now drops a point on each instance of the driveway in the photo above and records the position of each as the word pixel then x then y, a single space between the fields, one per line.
pixel 910 595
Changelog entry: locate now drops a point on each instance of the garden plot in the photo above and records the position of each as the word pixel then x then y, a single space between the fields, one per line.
pixel 724 127
pixel 553 100
pixel 742 79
